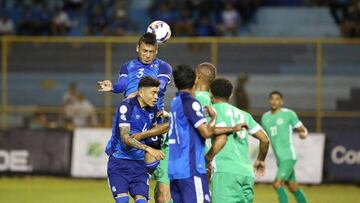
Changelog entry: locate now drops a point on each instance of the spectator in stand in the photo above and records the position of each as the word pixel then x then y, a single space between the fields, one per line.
pixel 231 20
pixel 204 27
pixel 350 27
pixel 120 24
pixel 97 21
pixel 69 100
pixel 185 25
pixel 84 113
pixel 6 26
pixel 60 22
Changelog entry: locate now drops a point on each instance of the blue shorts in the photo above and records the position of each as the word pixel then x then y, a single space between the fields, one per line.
pixel 128 176
pixel 190 190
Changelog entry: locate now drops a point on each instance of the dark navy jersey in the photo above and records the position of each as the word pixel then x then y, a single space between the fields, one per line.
pixel 187 146
pixel 129 113
pixel 132 71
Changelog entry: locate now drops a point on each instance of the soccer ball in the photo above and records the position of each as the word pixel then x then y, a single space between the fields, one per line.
pixel 161 30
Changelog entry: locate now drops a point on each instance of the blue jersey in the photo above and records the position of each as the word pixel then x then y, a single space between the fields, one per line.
pixel 129 113
pixel 187 146
pixel 132 71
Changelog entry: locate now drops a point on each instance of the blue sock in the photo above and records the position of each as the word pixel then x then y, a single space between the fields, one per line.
pixel 140 200
pixel 122 199
pixel 152 165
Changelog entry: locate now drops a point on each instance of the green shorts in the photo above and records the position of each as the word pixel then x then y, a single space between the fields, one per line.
pixel 161 172
pixel 232 188
pixel 286 171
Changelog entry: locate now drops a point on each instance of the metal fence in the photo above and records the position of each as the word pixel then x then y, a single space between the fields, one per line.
pixel 319 77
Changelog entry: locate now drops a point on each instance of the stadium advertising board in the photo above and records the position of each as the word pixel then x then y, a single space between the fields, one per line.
pixel 37 152
pixel 309 166
pixel 342 158
pixel 88 157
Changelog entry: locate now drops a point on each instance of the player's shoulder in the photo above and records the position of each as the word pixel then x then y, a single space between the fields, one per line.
pixel 130 63
pixel 267 113
pixel 128 102
pixel 163 64
pixel 287 110
pixel 187 100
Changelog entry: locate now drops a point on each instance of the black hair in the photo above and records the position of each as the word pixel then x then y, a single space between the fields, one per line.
pixel 221 88
pixel 276 92
pixel 148 38
pixel 184 76
pixel 148 81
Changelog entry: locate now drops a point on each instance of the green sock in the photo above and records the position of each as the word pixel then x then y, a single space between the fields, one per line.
pixel 283 198
pixel 300 196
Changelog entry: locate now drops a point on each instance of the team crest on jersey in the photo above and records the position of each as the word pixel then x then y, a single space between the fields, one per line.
pixel 279 121
pixel 123 109
pixel 151 116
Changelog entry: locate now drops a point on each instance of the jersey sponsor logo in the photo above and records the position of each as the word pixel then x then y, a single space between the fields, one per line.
pixel 279 121
pixel 341 155
pixel 123 117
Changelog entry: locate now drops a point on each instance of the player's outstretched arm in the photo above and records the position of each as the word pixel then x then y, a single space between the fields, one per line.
pixel 259 165
pixel 218 143
pixel 132 142
pixel 209 130
pixel 155 131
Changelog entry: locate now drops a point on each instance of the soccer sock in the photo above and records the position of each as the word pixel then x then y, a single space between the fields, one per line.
pixel 283 198
pixel 300 196
pixel 122 199
pixel 140 200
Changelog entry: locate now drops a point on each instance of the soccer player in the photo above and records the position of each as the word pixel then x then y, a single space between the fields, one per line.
pixel 205 74
pixel 146 64
pixel 187 133
pixel 279 123
pixel 233 173
pixel 127 170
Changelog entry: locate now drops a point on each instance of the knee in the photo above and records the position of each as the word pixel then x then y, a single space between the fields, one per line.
pixel 277 184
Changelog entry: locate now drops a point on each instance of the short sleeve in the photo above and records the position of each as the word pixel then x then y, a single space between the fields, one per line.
pixel 165 72
pixel 254 127
pixel 294 120
pixel 124 112
pixel 193 112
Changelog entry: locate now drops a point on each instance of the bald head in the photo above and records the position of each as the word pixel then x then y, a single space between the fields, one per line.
pixel 206 71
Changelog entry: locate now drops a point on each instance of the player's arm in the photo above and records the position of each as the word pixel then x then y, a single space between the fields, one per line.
pixel 259 165
pixel 164 77
pixel 298 125
pixel 132 142
pixel 217 145
pixel 155 131
pixel 209 130
pixel 119 86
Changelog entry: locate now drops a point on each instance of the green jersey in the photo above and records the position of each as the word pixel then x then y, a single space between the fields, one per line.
pixel 234 157
pixel 279 127
pixel 203 97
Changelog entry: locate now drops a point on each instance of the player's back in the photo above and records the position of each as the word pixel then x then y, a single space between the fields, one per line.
pixel 279 126
pixel 234 157
pixel 186 157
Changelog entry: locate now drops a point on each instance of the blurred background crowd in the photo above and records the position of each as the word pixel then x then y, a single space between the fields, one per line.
pixel 129 17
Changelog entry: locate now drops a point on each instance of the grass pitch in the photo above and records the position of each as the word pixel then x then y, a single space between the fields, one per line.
pixel 66 190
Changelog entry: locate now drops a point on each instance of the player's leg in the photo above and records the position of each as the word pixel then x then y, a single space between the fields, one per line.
pixel 193 190
pixel 295 189
pixel 118 181
pixel 226 187
pixel 162 189
pixel 175 191
pixel 139 182
pixel 285 169
pixel 151 162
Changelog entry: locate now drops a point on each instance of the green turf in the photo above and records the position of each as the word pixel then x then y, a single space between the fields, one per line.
pixel 64 190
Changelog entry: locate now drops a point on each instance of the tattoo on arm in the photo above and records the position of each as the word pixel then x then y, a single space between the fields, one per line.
pixel 130 141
